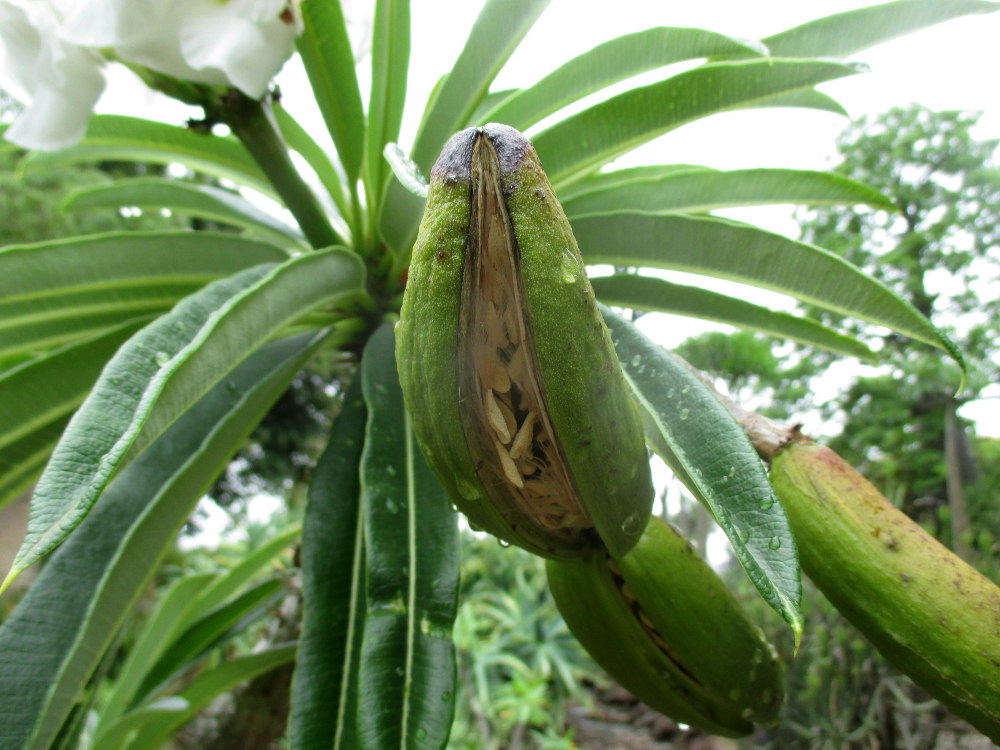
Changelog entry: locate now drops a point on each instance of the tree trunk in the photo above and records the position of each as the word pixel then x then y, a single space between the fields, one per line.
pixel 954 436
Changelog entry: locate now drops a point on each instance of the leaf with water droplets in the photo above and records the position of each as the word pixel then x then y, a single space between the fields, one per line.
pixel 709 452
pixel 411 560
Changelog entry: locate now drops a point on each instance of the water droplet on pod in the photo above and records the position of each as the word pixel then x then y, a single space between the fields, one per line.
pixel 632 524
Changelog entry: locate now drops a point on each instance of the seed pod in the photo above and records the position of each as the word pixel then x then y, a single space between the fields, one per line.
pixel 929 613
pixel 665 626
pixel 516 395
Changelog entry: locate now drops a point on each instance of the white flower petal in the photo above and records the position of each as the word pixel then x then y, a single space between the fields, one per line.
pixel 59 82
pixel 108 23
pixel 249 53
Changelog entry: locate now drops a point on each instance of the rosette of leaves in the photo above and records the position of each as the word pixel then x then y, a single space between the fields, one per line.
pixel 132 366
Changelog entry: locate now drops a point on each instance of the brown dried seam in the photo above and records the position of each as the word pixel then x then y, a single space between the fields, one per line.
pixel 510 435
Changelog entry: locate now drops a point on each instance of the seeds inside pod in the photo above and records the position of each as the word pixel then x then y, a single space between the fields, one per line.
pixel 509 373
pixel 506 422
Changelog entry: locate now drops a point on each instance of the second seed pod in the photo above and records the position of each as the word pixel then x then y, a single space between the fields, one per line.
pixel 667 628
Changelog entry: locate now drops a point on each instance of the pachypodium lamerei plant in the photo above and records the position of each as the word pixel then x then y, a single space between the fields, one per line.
pixel 133 366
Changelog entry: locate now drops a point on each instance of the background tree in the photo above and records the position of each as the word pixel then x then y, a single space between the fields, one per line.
pixel 941 252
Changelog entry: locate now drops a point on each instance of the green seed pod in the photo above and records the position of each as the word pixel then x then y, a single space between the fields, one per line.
pixel 509 374
pixel 666 627
pixel 929 612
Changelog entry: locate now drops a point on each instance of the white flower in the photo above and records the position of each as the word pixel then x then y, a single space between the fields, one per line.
pixel 60 82
pixel 51 58
pixel 241 43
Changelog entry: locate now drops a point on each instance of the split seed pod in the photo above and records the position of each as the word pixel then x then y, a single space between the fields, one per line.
pixel 509 374
pixel 667 628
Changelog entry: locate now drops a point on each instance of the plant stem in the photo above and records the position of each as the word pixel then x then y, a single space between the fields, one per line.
pixel 253 123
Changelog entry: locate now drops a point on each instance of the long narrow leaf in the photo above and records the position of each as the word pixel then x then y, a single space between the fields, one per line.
pixel 614 61
pixel 616 178
pixel 65 290
pixel 207 686
pixel 324 687
pixel 498 30
pixel 228 584
pixel 649 293
pixel 390 64
pixel 844 33
pixel 45 392
pixel 153 639
pixel 165 369
pixel 407 676
pixel 302 143
pixel 23 459
pixel 711 453
pixel 581 143
pixel 204 201
pixel 121 138
pixel 329 61
pixel 204 634
pixel 807 99
pixel 704 191
pixel 121 733
pixel 58 633
pixel 729 250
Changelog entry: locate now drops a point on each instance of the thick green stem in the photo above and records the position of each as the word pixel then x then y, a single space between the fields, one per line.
pixel 254 125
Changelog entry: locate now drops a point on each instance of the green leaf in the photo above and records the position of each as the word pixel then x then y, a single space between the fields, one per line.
pixel 121 733
pixel 65 290
pixel 202 635
pixel 38 397
pixel 703 191
pixel 618 177
pixel 22 460
pixel 164 369
pixel 324 687
pixel 405 170
pixel 808 99
pixel 204 201
pixel 56 636
pixel 705 446
pixel 121 138
pixel 229 583
pixel 154 638
pixel 730 250
pixel 611 62
pixel 185 602
pixel 301 142
pixel 407 674
pixel 328 58
pixel 576 146
pixel 842 34
pixel 650 293
pixel 206 687
pixel 390 64
pixel 499 28
pixel 487 104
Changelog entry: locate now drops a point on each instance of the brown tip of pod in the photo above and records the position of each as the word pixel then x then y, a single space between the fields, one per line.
pixel 455 160
pixel 511 146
